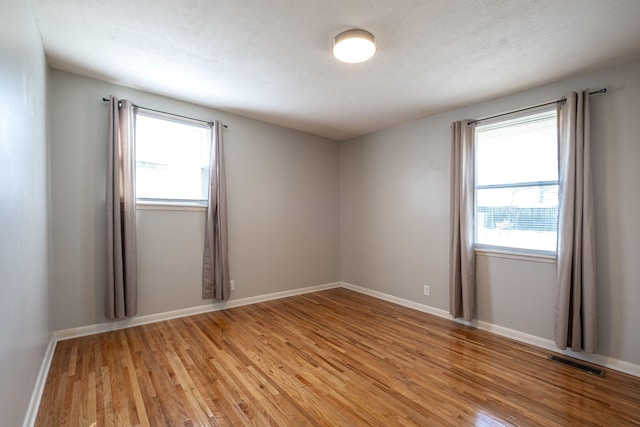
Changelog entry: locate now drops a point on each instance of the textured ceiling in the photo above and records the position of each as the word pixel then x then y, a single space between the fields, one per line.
pixel 271 60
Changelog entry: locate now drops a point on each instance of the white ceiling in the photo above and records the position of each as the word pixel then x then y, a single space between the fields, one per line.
pixel 271 60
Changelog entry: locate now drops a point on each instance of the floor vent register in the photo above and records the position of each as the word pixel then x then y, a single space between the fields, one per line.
pixel 586 368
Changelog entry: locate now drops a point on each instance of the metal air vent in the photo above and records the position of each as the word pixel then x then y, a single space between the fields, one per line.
pixel 586 368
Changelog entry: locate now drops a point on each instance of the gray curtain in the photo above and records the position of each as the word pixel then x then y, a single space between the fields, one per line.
pixel 575 322
pixel 215 264
pixel 121 295
pixel 462 264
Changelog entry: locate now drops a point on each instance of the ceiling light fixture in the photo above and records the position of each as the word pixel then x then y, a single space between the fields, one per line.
pixel 353 46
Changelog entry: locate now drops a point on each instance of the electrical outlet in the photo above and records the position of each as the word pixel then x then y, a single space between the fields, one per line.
pixel 427 290
pixel 233 285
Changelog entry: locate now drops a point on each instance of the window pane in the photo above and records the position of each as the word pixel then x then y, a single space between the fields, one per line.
pixel 516 196
pixel 516 151
pixel 518 217
pixel 172 159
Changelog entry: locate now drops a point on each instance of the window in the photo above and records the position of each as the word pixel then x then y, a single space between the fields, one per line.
pixel 516 182
pixel 172 160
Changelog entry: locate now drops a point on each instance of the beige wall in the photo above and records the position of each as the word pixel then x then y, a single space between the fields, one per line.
pixel 373 211
pixel 394 213
pixel 303 211
pixel 283 195
pixel 25 325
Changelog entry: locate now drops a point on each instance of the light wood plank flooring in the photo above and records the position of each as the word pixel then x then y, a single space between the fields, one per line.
pixel 331 358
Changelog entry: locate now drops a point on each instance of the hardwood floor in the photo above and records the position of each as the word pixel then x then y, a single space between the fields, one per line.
pixel 334 358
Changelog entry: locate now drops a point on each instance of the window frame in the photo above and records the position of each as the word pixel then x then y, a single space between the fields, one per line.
pixel 146 203
pixel 508 251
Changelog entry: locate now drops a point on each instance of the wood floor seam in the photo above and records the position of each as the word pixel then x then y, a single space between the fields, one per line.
pixel 329 358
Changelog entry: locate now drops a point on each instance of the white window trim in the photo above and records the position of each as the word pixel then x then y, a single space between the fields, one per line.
pixel 163 205
pixel 168 204
pixel 172 117
pixel 508 252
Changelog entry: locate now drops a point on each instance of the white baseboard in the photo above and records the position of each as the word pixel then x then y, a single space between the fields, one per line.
pixel 41 379
pixel 547 344
pixel 32 412
pixel 400 301
pixel 158 317
pixel 65 334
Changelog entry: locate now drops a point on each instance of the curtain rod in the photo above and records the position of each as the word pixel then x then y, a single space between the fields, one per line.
pixel 603 90
pixel 170 114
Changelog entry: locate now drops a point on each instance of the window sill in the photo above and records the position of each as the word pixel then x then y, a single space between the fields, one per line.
pixel 547 258
pixel 165 206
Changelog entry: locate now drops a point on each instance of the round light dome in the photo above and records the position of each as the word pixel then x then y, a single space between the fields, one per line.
pixel 354 46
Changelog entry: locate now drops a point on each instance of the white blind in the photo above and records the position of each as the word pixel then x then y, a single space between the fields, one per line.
pixel 516 194
pixel 172 160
